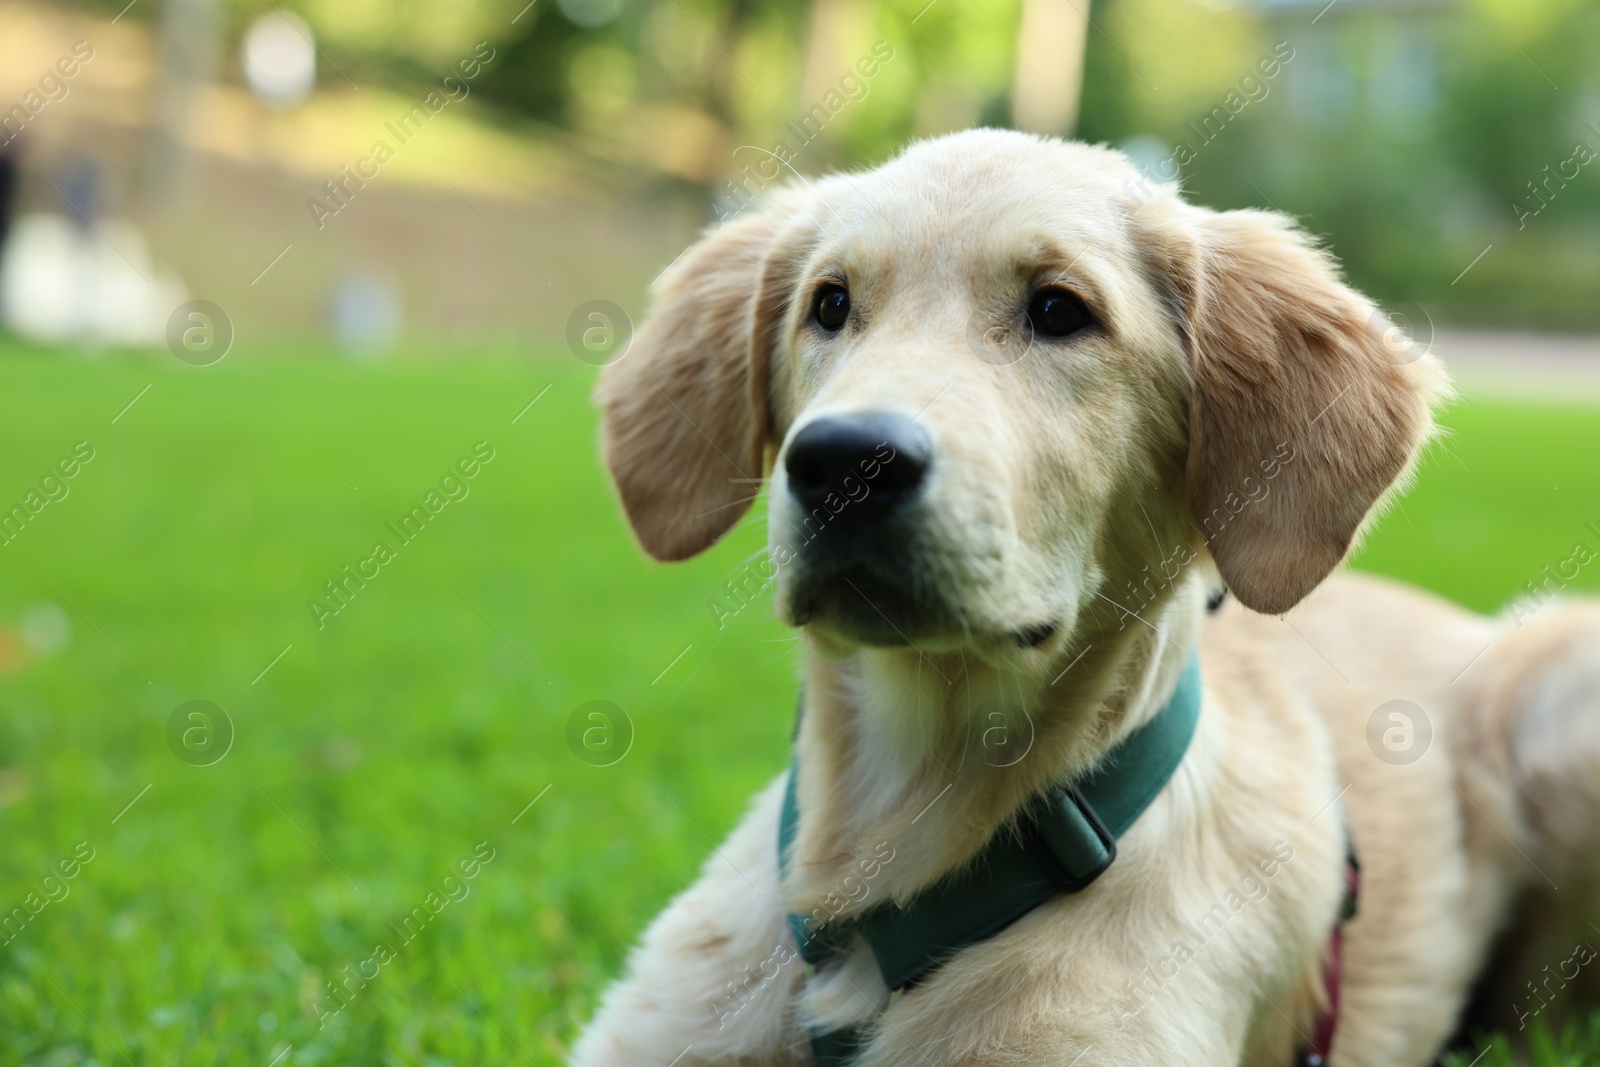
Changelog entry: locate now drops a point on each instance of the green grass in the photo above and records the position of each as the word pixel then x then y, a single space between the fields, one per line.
pixel 1576 1045
pixel 381 749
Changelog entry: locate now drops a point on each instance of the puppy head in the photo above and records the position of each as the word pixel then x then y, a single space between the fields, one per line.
pixel 995 382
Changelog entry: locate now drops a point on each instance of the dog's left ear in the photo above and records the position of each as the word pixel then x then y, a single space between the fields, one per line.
pixel 1302 411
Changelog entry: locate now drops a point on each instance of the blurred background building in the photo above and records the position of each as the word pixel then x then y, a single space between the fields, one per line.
pixel 381 173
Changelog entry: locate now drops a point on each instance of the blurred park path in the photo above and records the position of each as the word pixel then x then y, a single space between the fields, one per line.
pixel 1542 366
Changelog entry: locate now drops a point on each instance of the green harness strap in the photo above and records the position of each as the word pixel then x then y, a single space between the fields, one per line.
pixel 1067 838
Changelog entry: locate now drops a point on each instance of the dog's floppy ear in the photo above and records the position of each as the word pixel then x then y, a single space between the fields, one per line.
pixel 1302 412
pixel 685 412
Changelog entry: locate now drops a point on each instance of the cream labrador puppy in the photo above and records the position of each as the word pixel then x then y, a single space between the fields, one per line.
pixel 1021 414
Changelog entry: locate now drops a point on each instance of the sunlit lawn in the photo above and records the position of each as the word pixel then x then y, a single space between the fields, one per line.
pixel 381 750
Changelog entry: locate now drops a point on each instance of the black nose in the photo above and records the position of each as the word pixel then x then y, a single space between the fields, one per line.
pixel 873 459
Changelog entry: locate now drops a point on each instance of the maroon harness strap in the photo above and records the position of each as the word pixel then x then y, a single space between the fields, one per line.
pixel 1321 1048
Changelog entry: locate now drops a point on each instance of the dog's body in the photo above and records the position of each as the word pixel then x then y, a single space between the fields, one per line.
pixel 1205 395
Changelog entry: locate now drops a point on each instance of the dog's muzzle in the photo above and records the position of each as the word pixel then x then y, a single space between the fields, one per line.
pixel 858 483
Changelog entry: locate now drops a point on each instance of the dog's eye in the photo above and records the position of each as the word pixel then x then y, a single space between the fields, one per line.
pixel 833 307
pixel 1058 313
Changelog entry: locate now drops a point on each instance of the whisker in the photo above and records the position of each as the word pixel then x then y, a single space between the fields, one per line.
pixel 1136 615
pixel 729 504
pixel 1159 546
pixel 786 652
pixel 752 520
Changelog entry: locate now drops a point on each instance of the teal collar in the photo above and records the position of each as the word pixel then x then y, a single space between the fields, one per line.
pixel 1066 839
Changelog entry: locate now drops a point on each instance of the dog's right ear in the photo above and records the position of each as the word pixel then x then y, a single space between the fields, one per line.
pixel 685 415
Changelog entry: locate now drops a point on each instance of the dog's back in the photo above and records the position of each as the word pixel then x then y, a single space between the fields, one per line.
pixel 1469 758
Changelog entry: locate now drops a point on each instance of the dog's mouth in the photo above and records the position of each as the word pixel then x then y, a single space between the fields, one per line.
pixel 867 606
pixel 864 606
pixel 892 583
pixel 1033 636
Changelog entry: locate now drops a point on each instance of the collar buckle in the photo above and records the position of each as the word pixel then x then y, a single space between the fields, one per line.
pixel 1066 835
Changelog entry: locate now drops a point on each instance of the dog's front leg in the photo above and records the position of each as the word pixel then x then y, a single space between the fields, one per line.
pixel 714 979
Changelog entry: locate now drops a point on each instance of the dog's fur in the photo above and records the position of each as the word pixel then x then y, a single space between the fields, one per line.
pixel 1233 418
